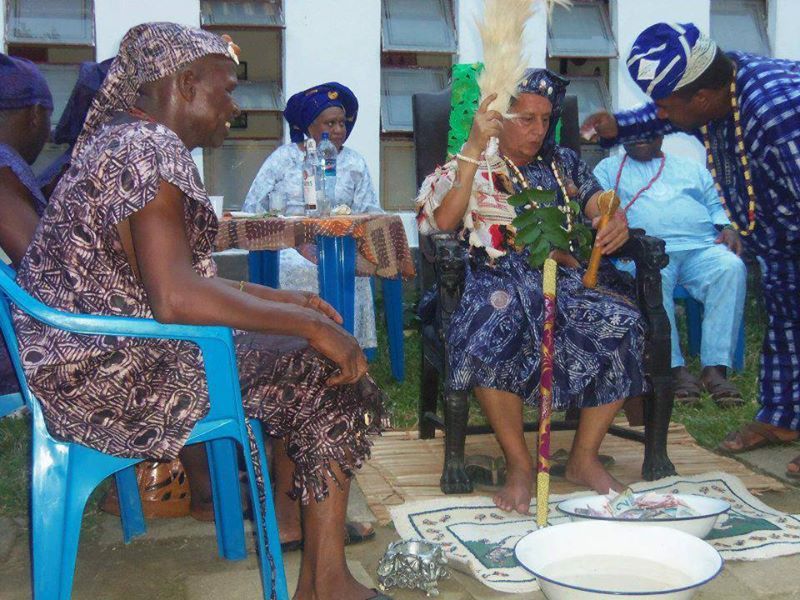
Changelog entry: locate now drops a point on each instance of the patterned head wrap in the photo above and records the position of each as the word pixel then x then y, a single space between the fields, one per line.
pixel 303 107
pixel 22 85
pixel 547 84
pixel 90 78
pixel 148 52
pixel 668 56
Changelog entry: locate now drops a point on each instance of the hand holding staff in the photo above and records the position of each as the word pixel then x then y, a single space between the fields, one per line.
pixel 607 203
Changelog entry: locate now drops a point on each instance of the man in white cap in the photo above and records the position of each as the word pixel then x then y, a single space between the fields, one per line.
pixel 746 111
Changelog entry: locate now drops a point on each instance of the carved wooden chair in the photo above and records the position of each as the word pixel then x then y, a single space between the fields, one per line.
pixel 442 260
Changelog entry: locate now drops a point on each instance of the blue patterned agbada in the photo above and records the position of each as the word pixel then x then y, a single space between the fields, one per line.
pixel 768 91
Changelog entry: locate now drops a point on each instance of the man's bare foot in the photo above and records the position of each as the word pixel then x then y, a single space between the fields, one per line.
pixel 516 493
pixel 590 472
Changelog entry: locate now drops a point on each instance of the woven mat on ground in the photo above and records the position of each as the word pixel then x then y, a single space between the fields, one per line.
pixel 403 467
pixel 479 539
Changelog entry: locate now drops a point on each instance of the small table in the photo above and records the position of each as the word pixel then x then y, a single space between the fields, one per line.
pixel 345 246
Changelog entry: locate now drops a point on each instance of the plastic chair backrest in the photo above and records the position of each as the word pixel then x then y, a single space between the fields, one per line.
pixel 7 329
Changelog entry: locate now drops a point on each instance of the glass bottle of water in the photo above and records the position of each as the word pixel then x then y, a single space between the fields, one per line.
pixel 312 188
pixel 327 158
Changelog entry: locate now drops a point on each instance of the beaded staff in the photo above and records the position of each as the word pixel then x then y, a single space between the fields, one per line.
pixel 546 393
pixel 742 154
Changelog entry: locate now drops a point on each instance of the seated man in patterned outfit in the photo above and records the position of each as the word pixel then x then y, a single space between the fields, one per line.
pixel 25 108
pixel 129 231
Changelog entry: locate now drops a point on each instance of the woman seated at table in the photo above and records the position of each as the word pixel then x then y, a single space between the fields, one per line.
pixel 495 336
pixel 332 108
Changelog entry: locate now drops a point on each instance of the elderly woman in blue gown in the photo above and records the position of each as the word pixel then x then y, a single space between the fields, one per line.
pixel 332 108
pixel 495 336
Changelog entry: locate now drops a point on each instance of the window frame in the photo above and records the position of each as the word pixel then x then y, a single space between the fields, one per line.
pixel 386 95
pixel 605 23
pixel 12 40
pixel 605 93
pixel 448 19
pixel 205 13
pixel 759 11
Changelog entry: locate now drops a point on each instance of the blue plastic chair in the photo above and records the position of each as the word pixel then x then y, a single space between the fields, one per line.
pixel 131 515
pixel 64 474
pixel 694 327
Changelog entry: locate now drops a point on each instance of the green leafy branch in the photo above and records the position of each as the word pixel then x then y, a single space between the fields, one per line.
pixel 540 228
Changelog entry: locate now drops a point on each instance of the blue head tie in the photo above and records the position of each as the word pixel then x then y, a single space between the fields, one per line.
pixel 303 107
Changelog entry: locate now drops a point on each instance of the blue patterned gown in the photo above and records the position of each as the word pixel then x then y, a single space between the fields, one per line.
pixel 496 331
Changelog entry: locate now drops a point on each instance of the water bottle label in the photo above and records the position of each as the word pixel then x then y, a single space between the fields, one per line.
pixel 309 191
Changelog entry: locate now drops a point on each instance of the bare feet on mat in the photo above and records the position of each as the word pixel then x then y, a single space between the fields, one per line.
pixel 590 472
pixel 756 435
pixel 517 491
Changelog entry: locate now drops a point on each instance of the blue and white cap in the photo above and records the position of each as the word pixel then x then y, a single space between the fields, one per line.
pixel 668 56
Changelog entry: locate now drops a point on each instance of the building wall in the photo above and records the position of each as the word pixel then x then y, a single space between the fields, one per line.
pixel 112 21
pixel 339 41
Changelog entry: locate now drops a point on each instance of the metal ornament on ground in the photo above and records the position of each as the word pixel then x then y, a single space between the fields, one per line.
pixel 414 564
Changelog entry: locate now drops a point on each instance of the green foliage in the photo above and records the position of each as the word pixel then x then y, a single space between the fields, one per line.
pixel 541 229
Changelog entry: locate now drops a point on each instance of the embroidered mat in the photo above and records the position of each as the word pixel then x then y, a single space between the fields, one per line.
pixel 479 539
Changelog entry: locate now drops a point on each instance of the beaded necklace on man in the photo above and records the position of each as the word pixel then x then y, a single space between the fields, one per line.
pixel 741 153
pixel 645 188
pixel 518 179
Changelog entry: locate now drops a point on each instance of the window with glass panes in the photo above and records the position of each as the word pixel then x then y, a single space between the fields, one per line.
pixel 740 25
pixel 257 27
pixel 58 35
pixel 580 43
pixel 418 43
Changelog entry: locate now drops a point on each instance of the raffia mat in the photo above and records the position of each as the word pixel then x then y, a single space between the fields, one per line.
pixel 479 539
pixel 404 468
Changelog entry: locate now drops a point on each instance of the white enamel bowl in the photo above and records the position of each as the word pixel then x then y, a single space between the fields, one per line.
pixel 708 511
pixel 617 561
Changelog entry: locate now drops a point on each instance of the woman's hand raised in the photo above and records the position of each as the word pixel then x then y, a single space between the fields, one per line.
pixel 486 124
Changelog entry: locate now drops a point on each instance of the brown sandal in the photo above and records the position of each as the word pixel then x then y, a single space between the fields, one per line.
pixel 764 436
pixel 163 488
pixel 687 388
pixel 723 392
